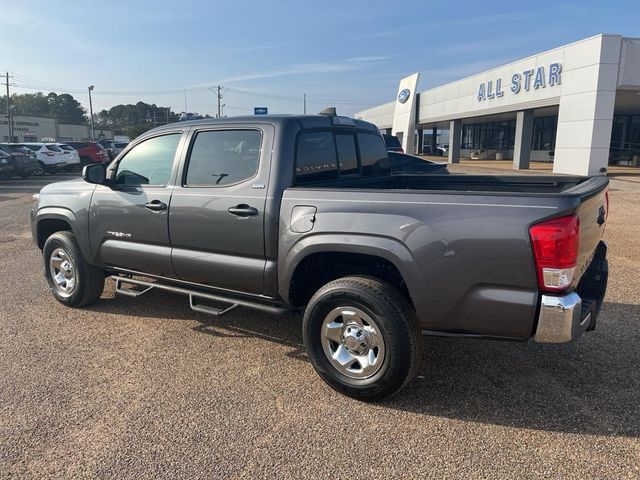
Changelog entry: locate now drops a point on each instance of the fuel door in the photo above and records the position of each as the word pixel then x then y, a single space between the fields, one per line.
pixel 303 217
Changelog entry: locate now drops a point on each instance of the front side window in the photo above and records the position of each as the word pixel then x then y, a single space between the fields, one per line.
pixel 149 162
pixel 373 155
pixel 223 157
pixel 316 157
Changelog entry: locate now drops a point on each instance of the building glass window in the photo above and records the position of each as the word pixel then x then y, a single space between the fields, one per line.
pixel 625 139
pixel 544 133
pixel 489 135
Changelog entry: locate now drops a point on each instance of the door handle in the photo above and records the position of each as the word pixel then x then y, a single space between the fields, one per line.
pixel 243 210
pixel 155 205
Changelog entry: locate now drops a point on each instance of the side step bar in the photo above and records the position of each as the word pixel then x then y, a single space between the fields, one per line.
pixel 193 296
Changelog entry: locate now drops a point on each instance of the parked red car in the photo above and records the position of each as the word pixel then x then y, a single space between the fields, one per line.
pixel 90 152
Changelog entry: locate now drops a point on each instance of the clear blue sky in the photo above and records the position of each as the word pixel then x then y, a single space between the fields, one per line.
pixel 349 54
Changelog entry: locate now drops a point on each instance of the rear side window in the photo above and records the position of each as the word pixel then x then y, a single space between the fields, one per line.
pixel 54 148
pixel 223 157
pixel 316 157
pixel 347 155
pixel 35 148
pixel 373 155
pixel 149 162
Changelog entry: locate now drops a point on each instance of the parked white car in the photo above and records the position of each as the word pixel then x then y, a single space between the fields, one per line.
pixel 50 156
pixel 71 156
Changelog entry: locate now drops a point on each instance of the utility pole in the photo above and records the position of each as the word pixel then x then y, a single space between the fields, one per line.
pixel 304 103
pixel 219 95
pixel 9 119
pixel 93 130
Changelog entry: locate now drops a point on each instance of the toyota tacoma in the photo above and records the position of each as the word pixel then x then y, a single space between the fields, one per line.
pixel 303 213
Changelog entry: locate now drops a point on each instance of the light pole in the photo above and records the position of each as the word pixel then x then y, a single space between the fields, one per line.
pixel 93 131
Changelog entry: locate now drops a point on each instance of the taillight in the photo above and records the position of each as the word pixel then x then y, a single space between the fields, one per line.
pixel 556 243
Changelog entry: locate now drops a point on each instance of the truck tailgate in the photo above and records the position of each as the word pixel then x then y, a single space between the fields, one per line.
pixel 592 213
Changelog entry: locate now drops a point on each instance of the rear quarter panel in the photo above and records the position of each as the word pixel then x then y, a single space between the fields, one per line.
pixel 466 258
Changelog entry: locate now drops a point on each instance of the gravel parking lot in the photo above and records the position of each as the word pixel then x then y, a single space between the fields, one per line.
pixel 141 388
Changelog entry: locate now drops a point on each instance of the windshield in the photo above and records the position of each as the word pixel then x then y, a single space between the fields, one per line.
pixel 54 148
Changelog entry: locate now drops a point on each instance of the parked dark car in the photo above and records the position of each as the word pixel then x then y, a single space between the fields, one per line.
pixel 401 163
pixel 119 146
pixel 393 143
pixel 302 213
pixel 90 152
pixel 24 160
pixel 6 166
pixel 427 150
pixel 109 146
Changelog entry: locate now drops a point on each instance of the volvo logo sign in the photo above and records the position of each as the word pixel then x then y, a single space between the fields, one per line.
pixel 404 95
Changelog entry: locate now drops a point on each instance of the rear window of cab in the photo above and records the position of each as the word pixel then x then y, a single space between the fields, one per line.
pixel 327 155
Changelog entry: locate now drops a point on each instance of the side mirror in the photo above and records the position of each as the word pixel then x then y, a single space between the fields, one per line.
pixel 95 173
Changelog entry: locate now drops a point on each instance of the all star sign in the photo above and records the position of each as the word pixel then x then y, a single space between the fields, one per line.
pixel 535 78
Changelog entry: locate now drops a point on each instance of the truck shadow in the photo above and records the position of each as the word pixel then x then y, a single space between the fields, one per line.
pixel 591 386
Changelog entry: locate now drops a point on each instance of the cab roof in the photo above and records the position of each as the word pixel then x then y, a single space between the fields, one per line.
pixel 305 121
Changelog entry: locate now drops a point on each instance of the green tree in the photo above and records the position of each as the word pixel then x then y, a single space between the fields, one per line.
pixel 63 107
pixel 66 108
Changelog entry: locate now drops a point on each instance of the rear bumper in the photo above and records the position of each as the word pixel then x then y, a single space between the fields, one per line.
pixel 565 318
pixel 560 319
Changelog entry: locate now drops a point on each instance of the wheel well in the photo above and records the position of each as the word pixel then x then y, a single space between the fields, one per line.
pixel 318 269
pixel 48 227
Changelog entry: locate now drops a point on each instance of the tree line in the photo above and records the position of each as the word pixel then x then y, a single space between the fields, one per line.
pixel 130 119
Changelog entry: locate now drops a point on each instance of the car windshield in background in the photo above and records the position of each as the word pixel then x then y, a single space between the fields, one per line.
pixel 65 147
pixel 392 141
pixel 35 148
pixel 121 145
pixel 54 148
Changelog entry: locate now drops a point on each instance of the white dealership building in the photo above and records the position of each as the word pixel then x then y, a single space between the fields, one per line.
pixel 577 106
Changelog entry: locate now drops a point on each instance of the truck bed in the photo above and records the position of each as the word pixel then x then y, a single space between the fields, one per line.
pixel 462 240
pixel 486 184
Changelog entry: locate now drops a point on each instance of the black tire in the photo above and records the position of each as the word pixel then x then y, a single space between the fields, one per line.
pixel 394 317
pixel 89 280
pixel 41 170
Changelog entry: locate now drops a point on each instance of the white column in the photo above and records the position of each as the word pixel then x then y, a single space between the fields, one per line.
pixel 585 117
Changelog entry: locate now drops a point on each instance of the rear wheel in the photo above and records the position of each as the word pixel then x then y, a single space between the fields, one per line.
pixel 362 337
pixel 71 279
pixel 39 171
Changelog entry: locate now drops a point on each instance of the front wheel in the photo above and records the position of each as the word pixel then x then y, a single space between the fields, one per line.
pixel 362 337
pixel 72 281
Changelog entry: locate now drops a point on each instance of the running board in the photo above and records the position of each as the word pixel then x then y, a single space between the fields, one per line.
pixel 193 295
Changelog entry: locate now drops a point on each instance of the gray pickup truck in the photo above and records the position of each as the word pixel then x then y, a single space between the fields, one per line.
pixel 292 213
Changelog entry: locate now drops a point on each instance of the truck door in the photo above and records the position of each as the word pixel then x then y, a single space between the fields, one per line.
pixel 218 208
pixel 128 220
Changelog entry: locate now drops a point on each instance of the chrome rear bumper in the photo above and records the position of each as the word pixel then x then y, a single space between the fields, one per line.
pixel 560 319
